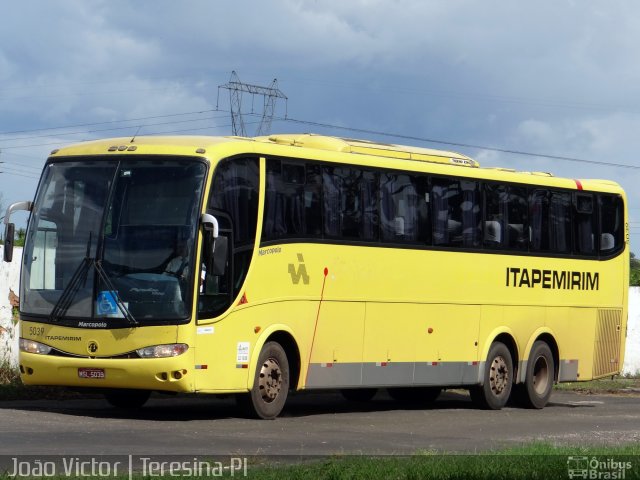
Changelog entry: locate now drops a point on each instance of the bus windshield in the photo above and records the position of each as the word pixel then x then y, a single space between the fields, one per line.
pixel 112 239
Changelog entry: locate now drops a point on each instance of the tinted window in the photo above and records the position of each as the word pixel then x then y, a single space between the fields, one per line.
pixel 235 192
pixel 404 208
pixel 585 224
pixel 350 203
pixel 612 221
pixel 292 200
pixel 560 222
pixel 456 212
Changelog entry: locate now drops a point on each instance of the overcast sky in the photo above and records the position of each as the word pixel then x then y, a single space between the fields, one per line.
pixel 555 77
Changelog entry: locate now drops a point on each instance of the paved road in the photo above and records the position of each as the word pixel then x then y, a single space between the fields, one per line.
pixel 312 424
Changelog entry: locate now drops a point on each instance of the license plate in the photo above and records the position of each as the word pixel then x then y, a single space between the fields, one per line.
pixel 91 373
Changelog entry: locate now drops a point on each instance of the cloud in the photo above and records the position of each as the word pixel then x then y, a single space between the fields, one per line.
pixel 552 76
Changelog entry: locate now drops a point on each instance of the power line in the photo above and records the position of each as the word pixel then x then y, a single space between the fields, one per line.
pixel 83 132
pixel 459 144
pixel 108 122
pixel 301 122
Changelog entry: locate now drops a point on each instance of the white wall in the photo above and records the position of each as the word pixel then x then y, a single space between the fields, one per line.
pixel 9 277
pixel 632 354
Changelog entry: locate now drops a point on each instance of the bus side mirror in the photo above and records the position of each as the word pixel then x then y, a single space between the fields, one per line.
pixel 9 235
pixel 10 228
pixel 215 246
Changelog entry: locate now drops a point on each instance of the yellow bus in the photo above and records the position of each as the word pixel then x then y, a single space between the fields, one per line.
pixel 256 266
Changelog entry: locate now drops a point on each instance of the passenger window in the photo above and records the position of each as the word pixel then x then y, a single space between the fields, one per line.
pixel 560 222
pixel 350 203
pixel 496 212
pixel 292 201
pixel 612 224
pixel 584 224
pixel 517 219
pixel 550 221
pixel 403 208
pixel 456 213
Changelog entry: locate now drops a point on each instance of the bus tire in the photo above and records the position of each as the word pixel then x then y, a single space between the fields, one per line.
pixel 268 395
pixel 494 393
pixel 361 395
pixel 539 377
pixel 415 395
pixel 127 398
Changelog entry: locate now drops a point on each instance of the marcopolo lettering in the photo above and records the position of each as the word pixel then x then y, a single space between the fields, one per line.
pixel 552 279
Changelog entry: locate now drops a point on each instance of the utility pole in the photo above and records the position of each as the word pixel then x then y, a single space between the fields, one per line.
pixel 269 94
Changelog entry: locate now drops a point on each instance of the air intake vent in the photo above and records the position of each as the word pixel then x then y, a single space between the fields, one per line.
pixel 606 356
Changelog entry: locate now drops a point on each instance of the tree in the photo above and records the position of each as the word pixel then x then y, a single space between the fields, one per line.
pixel 634 271
pixel 20 236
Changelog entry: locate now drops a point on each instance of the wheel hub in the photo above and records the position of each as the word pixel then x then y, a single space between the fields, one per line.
pixel 270 380
pixel 499 376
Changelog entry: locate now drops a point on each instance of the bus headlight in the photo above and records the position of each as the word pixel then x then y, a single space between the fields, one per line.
pixel 163 351
pixel 31 346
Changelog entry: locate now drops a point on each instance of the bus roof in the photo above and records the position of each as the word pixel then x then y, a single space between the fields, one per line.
pixel 199 145
pixel 366 147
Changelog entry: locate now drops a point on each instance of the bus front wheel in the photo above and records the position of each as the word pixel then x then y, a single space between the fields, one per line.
pixel 494 393
pixel 539 377
pixel 270 385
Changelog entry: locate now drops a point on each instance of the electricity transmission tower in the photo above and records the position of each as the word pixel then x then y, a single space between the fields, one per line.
pixel 269 94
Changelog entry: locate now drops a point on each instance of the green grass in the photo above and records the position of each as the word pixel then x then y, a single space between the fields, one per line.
pixel 603 385
pixel 12 388
pixel 535 461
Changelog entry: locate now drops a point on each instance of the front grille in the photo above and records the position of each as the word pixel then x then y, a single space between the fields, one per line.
pixel 60 353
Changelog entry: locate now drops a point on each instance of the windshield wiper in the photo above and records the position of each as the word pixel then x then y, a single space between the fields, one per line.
pixel 80 276
pixel 64 302
pixel 69 292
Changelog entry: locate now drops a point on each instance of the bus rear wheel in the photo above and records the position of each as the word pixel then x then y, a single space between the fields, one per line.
pixel 127 399
pixel 538 384
pixel 494 393
pixel 270 385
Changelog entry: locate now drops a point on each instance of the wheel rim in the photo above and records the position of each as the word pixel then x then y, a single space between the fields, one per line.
pixel 270 380
pixel 540 375
pixel 499 375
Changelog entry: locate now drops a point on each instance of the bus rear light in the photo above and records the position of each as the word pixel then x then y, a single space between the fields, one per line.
pixel 31 346
pixel 163 351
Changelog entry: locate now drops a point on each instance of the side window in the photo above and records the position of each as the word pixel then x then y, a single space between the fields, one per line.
pixel 517 219
pixel 456 213
pixel 235 192
pixel 550 214
pixel 404 208
pixel 612 224
pixel 350 203
pixel 292 200
pixel 585 223
pixel 234 202
pixel 496 213
pixel 539 220
pixel 560 222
